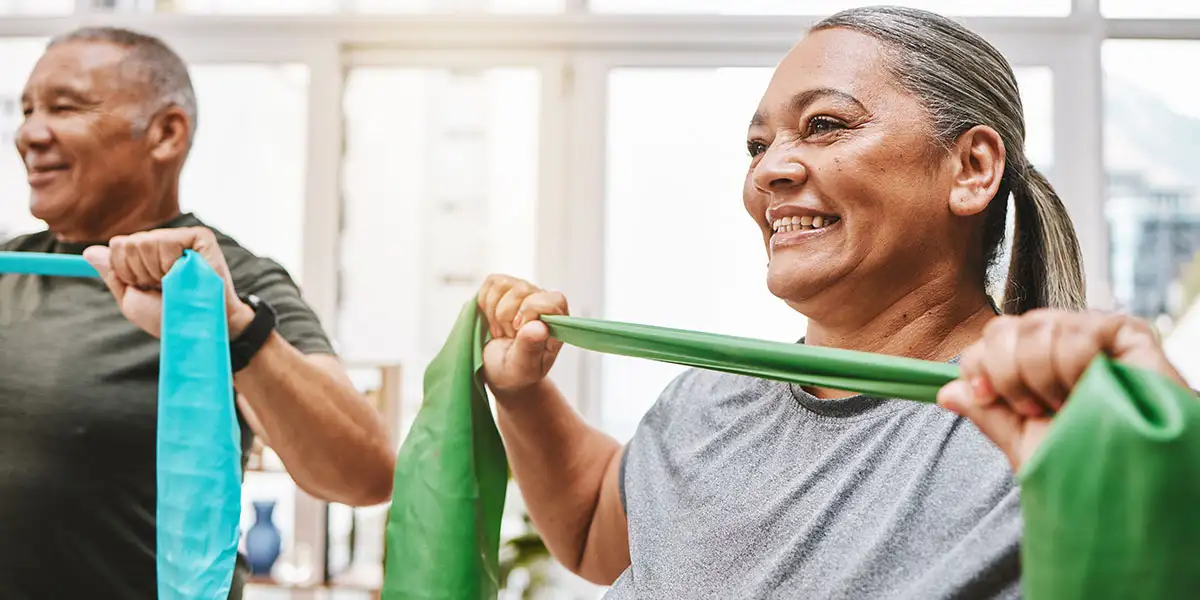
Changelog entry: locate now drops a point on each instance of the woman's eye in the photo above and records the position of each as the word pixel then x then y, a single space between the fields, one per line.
pixel 823 125
pixel 755 148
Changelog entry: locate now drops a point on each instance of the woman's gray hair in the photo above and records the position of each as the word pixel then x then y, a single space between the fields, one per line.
pixel 963 81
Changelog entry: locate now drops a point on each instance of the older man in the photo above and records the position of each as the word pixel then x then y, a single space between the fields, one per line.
pixel 109 119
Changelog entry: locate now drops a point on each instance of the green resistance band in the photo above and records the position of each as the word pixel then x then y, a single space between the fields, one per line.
pixel 1109 500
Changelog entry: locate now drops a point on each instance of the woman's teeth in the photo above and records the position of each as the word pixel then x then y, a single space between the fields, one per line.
pixel 787 224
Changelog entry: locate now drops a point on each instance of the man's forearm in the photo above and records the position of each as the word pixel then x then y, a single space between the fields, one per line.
pixel 559 461
pixel 332 442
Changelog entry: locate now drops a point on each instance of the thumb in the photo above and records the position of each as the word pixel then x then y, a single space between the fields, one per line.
pixel 100 257
pixel 527 354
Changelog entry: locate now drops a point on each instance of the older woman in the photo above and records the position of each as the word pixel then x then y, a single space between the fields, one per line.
pixel 881 157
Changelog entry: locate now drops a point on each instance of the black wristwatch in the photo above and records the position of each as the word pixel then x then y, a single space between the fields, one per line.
pixel 252 338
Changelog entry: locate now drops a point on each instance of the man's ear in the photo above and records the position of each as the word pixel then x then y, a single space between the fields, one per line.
pixel 978 158
pixel 169 134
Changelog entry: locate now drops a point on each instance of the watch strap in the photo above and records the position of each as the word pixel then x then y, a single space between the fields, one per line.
pixel 252 338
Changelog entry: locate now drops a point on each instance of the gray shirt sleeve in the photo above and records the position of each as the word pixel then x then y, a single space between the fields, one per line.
pixel 621 477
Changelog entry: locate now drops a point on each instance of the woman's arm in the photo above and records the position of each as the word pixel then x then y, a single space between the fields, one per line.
pixel 569 474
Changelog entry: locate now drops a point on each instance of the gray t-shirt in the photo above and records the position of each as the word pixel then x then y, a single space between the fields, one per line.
pixel 744 488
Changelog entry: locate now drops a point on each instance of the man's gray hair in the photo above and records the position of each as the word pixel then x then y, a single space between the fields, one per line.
pixel 151 63
pixel 963 81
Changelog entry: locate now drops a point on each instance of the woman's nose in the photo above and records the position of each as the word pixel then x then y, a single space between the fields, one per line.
pixel 778 171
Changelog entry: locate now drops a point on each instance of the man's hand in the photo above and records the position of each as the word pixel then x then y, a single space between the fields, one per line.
pixel 133 267
pixel 521 351
pixel 1025 367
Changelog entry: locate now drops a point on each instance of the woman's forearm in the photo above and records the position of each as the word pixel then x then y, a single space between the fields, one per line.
pixel 565 469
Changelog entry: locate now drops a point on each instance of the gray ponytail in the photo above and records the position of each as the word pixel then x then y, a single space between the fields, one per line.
pixel 1045 251
pixel 963 82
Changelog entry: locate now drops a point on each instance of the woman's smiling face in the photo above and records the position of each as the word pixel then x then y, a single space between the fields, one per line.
pixel 846 180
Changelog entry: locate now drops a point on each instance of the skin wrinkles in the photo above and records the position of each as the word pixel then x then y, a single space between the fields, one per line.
pixel 835 133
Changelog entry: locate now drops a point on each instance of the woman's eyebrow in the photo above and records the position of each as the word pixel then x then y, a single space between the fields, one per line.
pixel 802 100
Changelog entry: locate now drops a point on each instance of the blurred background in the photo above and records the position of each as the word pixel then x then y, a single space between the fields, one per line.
pixel 391 153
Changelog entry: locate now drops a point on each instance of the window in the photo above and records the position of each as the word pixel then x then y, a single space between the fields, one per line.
pixel 1037 98
pixel 1022 8
pixel 363 6
pixel 36 7
pixel 1152 155
pixel 246 172
pixel 410 6
pixel 18 55
pixel 680 249
pixel 1149 9
pixel 242 6
pixel 440 188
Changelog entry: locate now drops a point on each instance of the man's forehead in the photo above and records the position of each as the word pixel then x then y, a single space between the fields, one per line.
pixel 78 60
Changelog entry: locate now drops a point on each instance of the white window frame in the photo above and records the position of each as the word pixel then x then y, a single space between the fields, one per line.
pixel 575 51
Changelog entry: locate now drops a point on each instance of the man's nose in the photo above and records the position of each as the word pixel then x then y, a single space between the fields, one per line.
pixel 34 132
pixel 779 170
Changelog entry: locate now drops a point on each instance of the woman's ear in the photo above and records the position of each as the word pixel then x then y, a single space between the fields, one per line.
pixel 979 158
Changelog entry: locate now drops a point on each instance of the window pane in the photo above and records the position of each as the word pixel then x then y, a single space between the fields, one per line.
pixel 411 6
pixel 242 6
pixel 246 173
pixel 362 6
pixel 18 55
pixel 680 249
pixel 440 189
pixel 1037 98
pixel 36 7
pixel 1152 155
pixel 1024 8
pixel 1149 9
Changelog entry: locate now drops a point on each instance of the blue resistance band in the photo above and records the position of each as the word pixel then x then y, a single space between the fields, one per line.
pixel 198 451
pixel 34 263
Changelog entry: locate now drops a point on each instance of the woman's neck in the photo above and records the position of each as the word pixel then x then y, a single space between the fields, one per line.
pixel 935 320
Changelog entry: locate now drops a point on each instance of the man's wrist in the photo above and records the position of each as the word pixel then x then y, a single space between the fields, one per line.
pixel 240 317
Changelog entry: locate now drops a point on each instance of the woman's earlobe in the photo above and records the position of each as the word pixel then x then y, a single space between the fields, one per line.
pixel 967 202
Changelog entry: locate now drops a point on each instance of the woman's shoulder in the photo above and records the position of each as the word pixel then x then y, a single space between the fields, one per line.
pixel 702 386
pixel 700 396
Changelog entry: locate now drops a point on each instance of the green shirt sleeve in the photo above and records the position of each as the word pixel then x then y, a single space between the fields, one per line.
pixel 267 279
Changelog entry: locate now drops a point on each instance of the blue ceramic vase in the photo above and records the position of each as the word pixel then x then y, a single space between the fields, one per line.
pixel 262 541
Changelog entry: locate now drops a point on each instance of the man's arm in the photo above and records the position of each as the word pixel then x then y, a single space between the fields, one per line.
pixel 569 475
pixel 332 442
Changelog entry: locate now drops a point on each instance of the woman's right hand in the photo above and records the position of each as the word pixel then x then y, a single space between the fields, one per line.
pixel 521 350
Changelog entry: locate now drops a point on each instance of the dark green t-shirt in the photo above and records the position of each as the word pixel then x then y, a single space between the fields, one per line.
pixel 78 397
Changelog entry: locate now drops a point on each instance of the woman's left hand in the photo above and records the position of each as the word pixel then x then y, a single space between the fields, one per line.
pixel 1024 367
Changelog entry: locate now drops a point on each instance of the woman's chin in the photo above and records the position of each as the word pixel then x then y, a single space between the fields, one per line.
pixel 794 287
